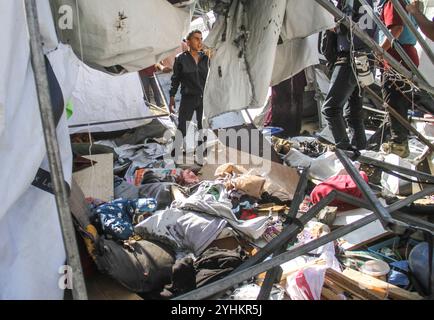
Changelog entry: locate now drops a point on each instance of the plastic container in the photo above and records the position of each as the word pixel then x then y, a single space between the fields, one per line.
pixel 376 268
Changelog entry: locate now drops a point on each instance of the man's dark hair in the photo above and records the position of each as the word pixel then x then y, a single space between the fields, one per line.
pixel 190 35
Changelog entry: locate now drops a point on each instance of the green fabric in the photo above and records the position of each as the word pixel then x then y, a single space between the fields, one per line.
pixel 69 109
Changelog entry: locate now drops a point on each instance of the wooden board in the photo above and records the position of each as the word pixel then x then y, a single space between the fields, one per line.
pixel 351 286
pixel 97 181
pixel 78 205
pixel 380 287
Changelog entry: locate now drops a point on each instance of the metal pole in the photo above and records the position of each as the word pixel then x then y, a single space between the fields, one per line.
pixel 272 274
pixel 401 120
pixel 407 21
pixel 166 105
pixel 384 216
pixel 392 208
pixel 118 121
pixel 49 129
pixel 396 45
pixel 372 44
pixel 242 275
pixel 416 223
pixel 287 234
pixel 381 164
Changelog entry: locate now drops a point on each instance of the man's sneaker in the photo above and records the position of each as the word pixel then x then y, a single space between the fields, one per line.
pixel 400 149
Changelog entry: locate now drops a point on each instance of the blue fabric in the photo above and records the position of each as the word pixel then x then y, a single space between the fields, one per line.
pixel 406 36
pixel 116 218
pixel 396 277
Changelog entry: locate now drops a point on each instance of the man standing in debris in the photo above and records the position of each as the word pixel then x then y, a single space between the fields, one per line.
pixel 345 90
pixel 190 70
pixel 394 85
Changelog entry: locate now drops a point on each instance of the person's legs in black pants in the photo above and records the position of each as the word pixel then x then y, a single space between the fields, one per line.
pixel 199 113
pixel 186 110
pixel 354 116
pixel 398 102
pixel 342 85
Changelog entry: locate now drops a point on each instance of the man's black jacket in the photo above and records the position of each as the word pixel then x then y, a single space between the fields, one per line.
pixel 190 75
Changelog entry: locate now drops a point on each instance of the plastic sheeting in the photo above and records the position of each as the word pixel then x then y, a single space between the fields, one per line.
pixel 31 246
pixel 100 97
pixel 247 51
pixel 133 34
pixel 97 96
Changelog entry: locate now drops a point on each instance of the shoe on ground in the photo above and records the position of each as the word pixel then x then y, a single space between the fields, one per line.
pixel 400 149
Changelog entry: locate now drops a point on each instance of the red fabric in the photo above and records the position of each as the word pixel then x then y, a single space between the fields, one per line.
pixel 148 72
pixel 343 183
pixel 391 18
pixel 248 214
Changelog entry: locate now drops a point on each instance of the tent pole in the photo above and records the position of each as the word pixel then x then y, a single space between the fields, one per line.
pixel 401 120
pixel 242 275
pixel 49 129
pixel 413 30
pixel 373 45
pixel 396 45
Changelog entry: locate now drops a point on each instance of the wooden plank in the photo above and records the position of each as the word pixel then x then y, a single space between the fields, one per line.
pixel 97 181
pixel 78 205
pixel 329 295
pixel 380 287
pixel 351 285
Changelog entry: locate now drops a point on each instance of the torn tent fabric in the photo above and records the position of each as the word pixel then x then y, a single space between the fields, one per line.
pixel 247 50
pixel 31 257
pixel 113 37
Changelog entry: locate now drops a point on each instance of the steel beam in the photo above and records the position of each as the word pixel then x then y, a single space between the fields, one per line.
pixel 242 275
pixel 401 120
pixel 271 275
pixel 287 234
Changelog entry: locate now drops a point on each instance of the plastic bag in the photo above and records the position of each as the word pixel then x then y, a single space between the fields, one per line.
pixel 306 284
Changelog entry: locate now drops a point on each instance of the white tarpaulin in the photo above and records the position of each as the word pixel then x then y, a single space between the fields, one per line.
pixel 246 48
pixel 303 53
pixel 31 245
pixel 133 34
pixel 99 97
